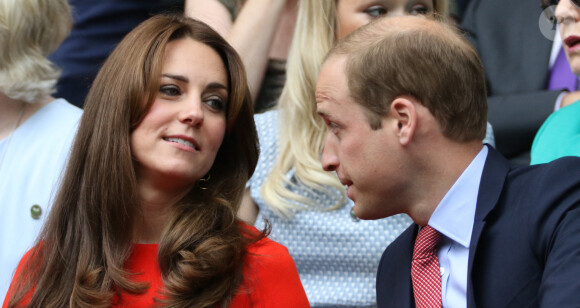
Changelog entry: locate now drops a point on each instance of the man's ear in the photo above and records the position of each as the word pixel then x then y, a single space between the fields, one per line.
pixel 403 111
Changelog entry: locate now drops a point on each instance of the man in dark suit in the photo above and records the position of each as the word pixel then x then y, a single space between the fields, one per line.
pixel 516 57
pixel 404 102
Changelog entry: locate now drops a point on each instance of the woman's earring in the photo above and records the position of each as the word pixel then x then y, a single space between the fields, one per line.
pixel 203 183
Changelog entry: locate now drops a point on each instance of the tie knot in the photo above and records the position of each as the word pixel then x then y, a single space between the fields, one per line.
pixel 426 242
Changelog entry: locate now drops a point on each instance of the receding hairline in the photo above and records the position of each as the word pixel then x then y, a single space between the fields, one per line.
pixel 382 29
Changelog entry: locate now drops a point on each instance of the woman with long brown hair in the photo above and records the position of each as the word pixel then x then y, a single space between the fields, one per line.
pixel 146 214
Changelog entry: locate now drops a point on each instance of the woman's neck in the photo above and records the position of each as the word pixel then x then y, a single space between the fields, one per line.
pixel 15 112
pixel 156 206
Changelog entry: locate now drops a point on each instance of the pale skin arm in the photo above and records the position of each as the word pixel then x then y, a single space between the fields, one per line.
pixel 252 34
pixel 248 211
pixel 211 12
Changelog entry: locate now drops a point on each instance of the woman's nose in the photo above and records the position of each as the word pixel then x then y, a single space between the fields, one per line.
pixel 192 112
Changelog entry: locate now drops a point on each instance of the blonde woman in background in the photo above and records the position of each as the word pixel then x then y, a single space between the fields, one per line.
pixel 261 32
pixel 336 254
pixel 36 129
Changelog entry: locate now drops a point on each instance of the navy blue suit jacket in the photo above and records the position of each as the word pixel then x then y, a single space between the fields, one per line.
pixel 525 245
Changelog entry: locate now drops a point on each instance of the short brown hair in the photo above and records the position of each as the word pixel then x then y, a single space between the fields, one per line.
pixel 426 59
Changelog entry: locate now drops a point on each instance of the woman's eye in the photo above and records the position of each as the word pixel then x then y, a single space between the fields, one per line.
pixel 421 10
pixel 170 90
pixel 376 11
pixel 216 103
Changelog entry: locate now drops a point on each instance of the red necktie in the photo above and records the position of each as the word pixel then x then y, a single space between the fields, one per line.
pixel 425 269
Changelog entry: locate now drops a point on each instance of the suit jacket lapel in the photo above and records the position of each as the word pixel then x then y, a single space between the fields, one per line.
pixel 492 181
pixel 409 257
pixel 394 286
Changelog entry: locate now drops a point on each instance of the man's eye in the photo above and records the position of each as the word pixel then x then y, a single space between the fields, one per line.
pixel 376 11
pixel 170 90
pixel 333 127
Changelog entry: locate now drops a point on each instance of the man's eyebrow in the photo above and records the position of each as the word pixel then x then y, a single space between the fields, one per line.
pixel 325 115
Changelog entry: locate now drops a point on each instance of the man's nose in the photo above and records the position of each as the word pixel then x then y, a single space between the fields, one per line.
pixel 329 158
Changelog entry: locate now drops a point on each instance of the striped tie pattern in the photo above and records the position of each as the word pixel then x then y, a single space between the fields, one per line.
pixel 425 273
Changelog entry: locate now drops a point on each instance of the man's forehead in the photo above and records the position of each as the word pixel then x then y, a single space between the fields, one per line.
pixel 334 63
pixel 328 96
pixel 332 80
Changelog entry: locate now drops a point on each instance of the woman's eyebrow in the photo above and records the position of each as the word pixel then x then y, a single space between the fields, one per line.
pixel 177 77
pixel 216 85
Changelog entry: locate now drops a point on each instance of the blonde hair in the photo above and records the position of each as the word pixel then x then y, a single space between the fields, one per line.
pixel 29 31
pixel 442 9
pixel 302 131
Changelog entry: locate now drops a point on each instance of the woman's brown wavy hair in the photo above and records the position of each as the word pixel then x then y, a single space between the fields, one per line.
pixel 79 257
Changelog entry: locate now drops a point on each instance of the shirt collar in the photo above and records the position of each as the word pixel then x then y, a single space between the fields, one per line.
pixel 454 215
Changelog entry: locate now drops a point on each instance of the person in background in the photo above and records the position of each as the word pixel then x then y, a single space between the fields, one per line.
pixel 306 205
pixel 146 214
pixel 36 129
pixel 560 134
pixel 484 233
pixel 457 9
pixel 99 25
pixel 261 32
pixel 519 60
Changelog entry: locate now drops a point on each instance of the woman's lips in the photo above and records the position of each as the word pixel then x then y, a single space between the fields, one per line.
pixel 572 42
pixel 184 142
